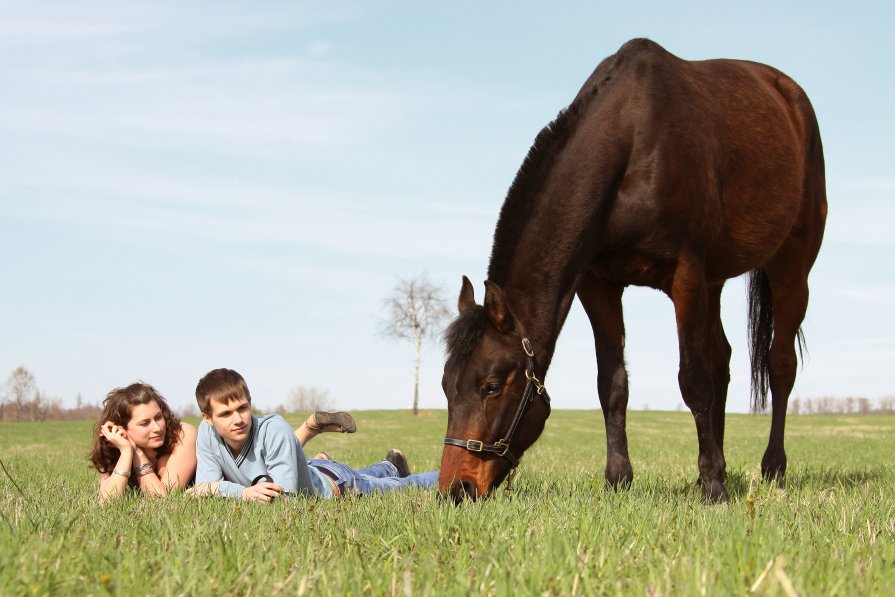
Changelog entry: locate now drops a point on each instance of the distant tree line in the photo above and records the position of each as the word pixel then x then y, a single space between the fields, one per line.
pixel 22 400
pixel 850 405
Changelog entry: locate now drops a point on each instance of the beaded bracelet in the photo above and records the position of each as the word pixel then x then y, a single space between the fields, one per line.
pixel 144 469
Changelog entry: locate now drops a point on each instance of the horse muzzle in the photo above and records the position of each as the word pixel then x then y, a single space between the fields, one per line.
pixel 462 490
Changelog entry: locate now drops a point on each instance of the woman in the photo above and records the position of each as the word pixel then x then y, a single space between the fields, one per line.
pixel 140 443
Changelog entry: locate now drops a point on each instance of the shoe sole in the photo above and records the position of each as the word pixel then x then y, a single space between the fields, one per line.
pixel 397 458
pixel 342 420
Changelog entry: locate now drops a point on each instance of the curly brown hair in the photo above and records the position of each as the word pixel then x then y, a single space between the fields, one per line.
pixel 117 408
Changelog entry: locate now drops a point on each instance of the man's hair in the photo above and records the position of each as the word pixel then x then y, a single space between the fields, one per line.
pixel 222 386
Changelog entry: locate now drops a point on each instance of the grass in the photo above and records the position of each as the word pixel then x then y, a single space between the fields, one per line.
pixel 831 531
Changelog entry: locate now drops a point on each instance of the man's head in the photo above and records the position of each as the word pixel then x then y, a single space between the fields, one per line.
pixel 225 402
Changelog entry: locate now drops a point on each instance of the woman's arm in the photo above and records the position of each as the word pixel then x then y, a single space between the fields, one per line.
pixel 113 483
pixel 178 468
pixel 148 480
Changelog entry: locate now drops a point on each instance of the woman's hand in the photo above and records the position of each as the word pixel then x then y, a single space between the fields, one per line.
pixel 140 457
pixel 117 436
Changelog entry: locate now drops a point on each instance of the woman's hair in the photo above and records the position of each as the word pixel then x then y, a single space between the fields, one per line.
pixel 117 408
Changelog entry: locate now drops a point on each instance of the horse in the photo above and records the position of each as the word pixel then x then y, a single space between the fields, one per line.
pixel 662 172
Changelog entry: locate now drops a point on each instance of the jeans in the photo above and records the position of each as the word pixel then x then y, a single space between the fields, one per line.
pixel 381 477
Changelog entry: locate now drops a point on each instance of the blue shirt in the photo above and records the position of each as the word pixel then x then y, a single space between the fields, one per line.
pixel 272 449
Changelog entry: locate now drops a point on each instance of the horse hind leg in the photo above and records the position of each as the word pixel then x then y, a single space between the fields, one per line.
pixel 603 305
pixel 789 299
pixel 689 293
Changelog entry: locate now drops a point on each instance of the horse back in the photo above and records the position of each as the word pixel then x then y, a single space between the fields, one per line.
pixel 718 156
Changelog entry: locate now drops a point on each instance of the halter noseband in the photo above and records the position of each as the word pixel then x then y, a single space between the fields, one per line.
pixel 502 446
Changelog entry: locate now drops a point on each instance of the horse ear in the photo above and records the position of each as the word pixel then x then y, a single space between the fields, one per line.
pixel 496 307
pixel 467 296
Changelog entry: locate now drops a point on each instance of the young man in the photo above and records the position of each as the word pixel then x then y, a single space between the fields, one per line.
pixel 246 457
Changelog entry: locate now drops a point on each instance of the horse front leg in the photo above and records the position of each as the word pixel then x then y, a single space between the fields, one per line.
pixel 719 362
pixel 603 305
pixel 691 307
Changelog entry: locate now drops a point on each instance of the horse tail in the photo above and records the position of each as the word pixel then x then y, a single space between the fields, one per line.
pixel 761 333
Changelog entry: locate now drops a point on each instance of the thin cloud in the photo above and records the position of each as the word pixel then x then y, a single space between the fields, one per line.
pixel 869 293
pixel 873 184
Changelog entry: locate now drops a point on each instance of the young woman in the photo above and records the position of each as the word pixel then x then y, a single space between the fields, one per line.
pixel 140 443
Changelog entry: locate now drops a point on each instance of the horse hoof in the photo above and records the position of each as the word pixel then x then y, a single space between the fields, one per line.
pixel 713 492
pixel 773 469
pixel 620 483
pixel 619 478
pixel 774 474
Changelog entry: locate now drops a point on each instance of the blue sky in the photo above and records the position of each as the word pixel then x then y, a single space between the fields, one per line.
pixel 186 186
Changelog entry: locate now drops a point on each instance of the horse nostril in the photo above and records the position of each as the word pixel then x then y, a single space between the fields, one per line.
pixel 462 490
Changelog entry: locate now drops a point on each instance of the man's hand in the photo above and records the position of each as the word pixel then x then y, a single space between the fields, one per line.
pixel 203 489
pixel 262 493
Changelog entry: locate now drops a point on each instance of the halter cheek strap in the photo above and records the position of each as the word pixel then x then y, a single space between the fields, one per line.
pixel 533 387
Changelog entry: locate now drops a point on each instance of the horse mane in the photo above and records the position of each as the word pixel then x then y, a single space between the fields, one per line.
pixel 464 333
pixel 520 198
pixel 519 201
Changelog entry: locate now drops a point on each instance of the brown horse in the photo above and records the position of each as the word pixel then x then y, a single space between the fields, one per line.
pixel 665 173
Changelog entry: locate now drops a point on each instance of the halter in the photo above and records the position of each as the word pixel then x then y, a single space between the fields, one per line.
pixel 502 446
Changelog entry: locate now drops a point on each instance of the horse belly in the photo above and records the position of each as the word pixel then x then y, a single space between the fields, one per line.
pixel 736 230
pixel 758 209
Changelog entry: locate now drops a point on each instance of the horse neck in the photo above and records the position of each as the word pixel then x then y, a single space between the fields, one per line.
pixel 540 280
pixel 551 227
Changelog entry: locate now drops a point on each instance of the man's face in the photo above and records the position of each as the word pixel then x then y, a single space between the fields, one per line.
pixel 232 421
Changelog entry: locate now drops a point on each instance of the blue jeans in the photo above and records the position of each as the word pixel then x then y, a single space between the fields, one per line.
pixel 382 477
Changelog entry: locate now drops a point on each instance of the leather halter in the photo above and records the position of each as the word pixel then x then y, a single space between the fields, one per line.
pixel 502 446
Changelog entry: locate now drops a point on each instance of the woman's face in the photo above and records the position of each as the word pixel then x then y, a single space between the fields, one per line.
pixel 146 427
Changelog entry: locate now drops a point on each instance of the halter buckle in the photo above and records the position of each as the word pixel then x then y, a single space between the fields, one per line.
pixel 539 387
pixel 526 346
pixel 474 445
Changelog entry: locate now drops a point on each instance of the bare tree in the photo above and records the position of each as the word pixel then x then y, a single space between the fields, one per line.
pixel 864 406
pixel 190 410
pixel 21 390
pixel 417 311
pixel 304 399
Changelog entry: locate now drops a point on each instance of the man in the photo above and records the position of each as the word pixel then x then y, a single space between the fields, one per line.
pixel 245 457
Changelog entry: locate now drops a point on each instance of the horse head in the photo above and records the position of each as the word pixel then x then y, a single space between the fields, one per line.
pixel 497 406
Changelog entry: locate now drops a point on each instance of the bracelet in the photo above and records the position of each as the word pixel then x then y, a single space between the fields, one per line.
pixel 144 469
pixel 120 472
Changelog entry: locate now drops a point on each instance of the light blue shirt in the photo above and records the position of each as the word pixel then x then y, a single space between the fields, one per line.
pixel 272 449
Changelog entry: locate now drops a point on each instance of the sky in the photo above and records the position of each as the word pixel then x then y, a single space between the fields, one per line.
pixel 193 185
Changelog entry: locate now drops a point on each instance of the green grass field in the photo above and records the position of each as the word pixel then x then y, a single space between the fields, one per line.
pixel 831 531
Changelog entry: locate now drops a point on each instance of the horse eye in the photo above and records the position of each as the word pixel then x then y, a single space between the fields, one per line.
pixel 492 388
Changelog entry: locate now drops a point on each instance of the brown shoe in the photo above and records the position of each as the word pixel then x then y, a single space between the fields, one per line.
pixel 397 458
pixel 325 421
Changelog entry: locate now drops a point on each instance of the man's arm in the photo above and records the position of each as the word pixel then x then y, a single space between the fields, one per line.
pixel 209 472
pixel 284 458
